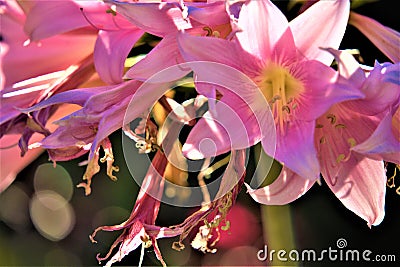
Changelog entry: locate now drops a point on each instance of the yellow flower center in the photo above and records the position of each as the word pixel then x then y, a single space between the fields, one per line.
pixel 280 88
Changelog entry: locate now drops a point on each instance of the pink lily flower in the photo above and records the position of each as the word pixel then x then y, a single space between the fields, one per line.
pixel 292 73
pixel 381 87
pixel 352 138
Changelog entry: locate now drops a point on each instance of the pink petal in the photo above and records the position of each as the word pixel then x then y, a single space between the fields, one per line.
pixel 111 51
pixel 361 187
pixel 262 25
pixel 321 91
pixel 348 66
pixel 381 90
pixel 285 189
pixel 50 18
pixel 384 143
pixel 212 49
pixel 233 126
pixel 209 14
pixel 295 148
pixel 386 39
pixel 155 18
pixel 164 55
pixel 77 96
pixel 321 25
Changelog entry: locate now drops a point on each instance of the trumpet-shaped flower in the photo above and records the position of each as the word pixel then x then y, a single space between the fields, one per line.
pixel 293 76
pixel 352 139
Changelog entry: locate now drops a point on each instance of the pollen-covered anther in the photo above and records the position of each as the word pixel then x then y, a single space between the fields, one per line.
pixel 340 126
pixel 332 118
pixel 286 108
pixel 146 241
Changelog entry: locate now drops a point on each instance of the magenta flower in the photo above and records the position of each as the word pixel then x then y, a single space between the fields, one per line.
pixel 352 139
pixel 284 60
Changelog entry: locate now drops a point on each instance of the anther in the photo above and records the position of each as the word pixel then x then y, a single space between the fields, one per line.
pixel 340 126
pixel 332 118
pixel 286 108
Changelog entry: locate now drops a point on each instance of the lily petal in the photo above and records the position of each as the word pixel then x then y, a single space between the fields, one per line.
pixel 111 51
pixel 386 39
pixel 164 55
pixel 384 143
pixel 155 18
pixel 323 90
pixel 232 126
pixel 361 187
pixel 295 148
pixel 321 25
pixel 262 25
pixel 288 187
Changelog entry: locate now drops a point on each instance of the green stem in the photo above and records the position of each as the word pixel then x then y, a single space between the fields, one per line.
pixel 276 220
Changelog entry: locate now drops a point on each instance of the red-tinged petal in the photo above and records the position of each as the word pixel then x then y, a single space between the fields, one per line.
pixel 384 143
pixel 386 39
pixel 322 90
pixel 295 148
pixel 164 55
pixel 262 25
pixel 321 25
pixel 155 18
pixel 361 186
pixel 111 51
pixel 288 187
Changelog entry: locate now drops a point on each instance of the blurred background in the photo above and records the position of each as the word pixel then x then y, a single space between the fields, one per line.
pixel 46 221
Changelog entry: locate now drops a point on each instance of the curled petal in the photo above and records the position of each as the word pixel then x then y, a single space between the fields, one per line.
pixel 384 143
pixel 156 18
pixel 111 51
pixel 288 187
pixel 361 186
